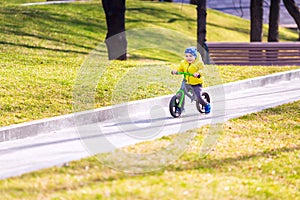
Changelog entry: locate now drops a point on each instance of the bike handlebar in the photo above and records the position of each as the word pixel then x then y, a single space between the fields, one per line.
pixel 187 73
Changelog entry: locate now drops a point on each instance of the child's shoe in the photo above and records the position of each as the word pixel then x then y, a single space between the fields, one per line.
pixel 207 108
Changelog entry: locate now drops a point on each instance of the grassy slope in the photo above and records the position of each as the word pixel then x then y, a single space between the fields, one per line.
pixel 41 50
pixel 43 47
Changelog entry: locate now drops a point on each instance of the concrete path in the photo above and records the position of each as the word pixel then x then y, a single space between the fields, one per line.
pixel 58 147
pixel 48 2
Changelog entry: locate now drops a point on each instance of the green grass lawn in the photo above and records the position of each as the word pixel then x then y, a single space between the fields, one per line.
pixel 45 48
pixel 256 157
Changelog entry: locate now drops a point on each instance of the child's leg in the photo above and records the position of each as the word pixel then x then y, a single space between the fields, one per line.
pixel 198 91
pixel 183 85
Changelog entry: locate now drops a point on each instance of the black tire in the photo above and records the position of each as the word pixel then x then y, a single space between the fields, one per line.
pixel 175 111
pixel 206 98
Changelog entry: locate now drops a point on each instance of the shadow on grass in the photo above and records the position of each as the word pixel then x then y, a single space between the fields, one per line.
pixel 64 41
pixel 160 14
pixel 104 175
pixel 205 164
pixel 44 48
pixel 38 23
pixel 215 164
pixel 235 29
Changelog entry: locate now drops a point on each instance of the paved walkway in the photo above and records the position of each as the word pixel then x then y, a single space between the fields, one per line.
pixel 52 2
pixel 55 148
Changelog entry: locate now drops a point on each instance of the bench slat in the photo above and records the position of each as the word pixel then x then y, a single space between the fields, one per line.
pixel 255 53
pixel 257 63
pixel 246 54
pixel 257 59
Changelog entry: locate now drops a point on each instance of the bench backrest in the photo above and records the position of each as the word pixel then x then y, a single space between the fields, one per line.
pixel 254 53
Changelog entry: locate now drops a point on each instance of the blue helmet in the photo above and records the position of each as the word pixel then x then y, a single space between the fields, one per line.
pixel 191 50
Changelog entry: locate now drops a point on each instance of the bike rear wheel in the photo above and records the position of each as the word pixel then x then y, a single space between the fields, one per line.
pixel 174 109
pixel 200 107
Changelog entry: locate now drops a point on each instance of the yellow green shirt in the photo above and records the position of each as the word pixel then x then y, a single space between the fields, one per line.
pixel 192 68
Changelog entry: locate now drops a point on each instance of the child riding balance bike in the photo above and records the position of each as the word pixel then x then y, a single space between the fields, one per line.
pixel 191 85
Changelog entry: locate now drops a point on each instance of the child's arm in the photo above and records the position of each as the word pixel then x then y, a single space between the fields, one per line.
pixel 179 69
pixel 200 66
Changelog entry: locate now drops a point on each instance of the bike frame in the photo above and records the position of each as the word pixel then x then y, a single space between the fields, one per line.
pixel 185 89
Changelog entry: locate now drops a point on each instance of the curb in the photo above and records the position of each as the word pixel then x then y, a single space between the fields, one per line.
pixel 48 2
pixel 261 81
pixel 36 127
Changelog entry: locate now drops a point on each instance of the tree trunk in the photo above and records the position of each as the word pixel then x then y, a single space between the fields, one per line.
pixel 115 20
pixel 256 29
pixel 256 15
pixel 294 11
pixel 194 2
pixel 201 30
pixel 273 34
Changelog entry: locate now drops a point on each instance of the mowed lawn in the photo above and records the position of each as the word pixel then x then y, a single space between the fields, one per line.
pixel 256 157
pixel 44 48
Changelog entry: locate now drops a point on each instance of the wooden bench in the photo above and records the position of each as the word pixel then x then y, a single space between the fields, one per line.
pixel 254 53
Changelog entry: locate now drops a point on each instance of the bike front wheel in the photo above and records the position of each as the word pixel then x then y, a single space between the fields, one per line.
pixel 200 107
pixel 174 109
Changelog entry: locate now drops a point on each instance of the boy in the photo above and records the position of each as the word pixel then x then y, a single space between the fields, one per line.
pixel 193 64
